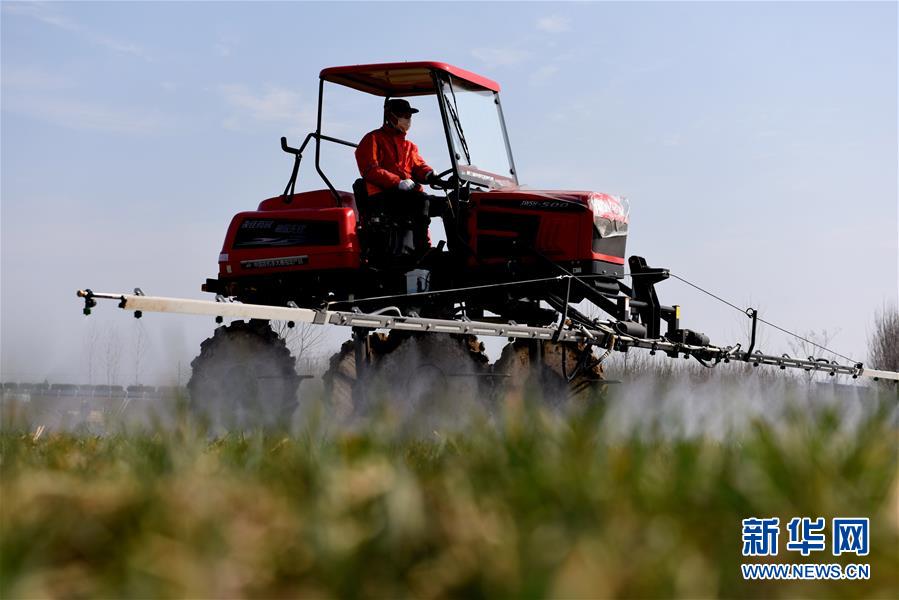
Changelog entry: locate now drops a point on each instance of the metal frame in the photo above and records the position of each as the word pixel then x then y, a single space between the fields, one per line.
pixel 603 334
pixel 298 154
pixel 502 122
pixel 444 116
pixel 438 81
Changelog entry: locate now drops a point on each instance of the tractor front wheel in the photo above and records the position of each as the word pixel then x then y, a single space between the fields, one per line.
pixel 244 377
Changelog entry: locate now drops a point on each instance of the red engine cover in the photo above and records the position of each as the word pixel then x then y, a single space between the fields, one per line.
pixel 301 232
pixel 558 224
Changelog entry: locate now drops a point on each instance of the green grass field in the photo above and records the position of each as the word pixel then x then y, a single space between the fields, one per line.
pixel 527 504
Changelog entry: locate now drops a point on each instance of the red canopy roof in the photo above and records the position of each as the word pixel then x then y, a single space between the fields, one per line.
pixel 401 79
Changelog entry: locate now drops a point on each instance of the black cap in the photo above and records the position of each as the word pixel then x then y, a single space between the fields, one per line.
pixel 398 106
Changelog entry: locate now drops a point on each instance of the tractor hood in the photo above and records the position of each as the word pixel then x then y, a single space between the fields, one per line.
pixel 610 213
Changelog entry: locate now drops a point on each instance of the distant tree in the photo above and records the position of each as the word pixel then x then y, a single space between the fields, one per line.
pixel 812 346
pixel 113 355
pixel 302 339
pixel 883 343
pixel 91 344
pixel 140 351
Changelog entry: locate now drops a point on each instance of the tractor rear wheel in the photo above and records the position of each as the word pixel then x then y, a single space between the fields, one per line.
pixel 244 377
pixel 407 371
pixel 557 372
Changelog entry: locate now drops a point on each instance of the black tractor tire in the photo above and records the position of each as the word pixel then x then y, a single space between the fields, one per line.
pixel 555 373
pixel 339 380
pixel 244 377
pixel 406 371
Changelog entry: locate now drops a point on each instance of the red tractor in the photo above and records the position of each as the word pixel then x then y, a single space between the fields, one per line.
pixel 506 248
pixel 514 265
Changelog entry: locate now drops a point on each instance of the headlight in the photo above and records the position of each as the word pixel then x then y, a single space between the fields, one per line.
pixel 615 208
pixel 610 214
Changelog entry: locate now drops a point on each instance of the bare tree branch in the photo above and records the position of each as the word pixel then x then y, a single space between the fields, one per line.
pixel 883 343
pixel 113 355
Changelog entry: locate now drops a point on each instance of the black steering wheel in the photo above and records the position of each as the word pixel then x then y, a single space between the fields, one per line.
pixel 437 182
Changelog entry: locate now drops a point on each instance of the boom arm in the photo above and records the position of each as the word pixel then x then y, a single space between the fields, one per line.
pixel 603 335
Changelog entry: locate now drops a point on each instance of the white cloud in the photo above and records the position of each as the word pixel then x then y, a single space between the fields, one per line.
pixel 275 104
pixel 45 14
pixel 500 57
pixel 77 114
pixel 542 75
pixel 119 46
pixel 672 140
pixel 225 44
pixel 42 12
pixel 20 78
pixel 40 94
pixel 553 24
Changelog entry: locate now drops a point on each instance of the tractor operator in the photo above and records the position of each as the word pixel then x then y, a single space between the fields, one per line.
pixel 393 171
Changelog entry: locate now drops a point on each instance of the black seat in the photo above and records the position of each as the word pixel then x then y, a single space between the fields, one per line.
pixel 382 233
pixel 360 192
pixel 366 208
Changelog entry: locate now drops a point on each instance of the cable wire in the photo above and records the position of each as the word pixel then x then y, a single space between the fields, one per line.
pixel 580 279
pixel 438 292
pixel 744 311
pixel 806 340
pixel 719 298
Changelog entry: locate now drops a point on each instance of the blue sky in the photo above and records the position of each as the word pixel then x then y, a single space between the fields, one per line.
pixel 755 141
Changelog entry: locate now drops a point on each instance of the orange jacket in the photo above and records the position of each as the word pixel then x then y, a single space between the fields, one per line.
pixel 385 157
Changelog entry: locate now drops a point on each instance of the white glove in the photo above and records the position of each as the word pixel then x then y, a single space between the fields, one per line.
pixel 406 185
